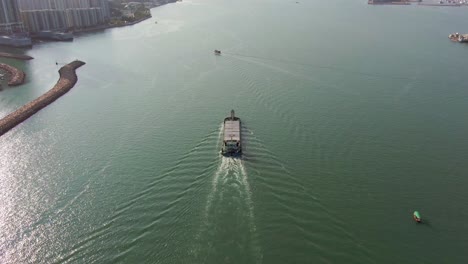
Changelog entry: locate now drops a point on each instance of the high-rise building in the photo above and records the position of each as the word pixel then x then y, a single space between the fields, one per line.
pixel 84 17
pixel 40 15
pixel 104 5
pixel 70 4
pixel 26 5
pixel 10 20
pixel 43 20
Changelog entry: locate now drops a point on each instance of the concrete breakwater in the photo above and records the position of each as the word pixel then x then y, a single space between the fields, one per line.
pixel 17 76
pixel 15 56
pixel 66 81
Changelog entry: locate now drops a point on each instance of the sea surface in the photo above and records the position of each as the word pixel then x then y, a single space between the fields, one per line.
pixel 353 116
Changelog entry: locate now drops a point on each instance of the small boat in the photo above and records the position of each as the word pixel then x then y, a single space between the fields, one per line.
pixel 232 136
pixel 417 217
pixel 217 52
pixel 457 37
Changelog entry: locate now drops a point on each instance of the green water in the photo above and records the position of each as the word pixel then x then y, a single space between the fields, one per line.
pixel 354 116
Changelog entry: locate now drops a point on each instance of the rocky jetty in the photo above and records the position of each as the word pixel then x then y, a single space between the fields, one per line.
pixel 17 76
pixel 66 81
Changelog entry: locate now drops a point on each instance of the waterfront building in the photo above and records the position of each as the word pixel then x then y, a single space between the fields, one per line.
pixel 84 17
pixel 44 15
pixel 26 5
pixel 104 5
pixel 10 20
pixel 70 4
pixel 55 4
pixel 128 13
pixel 43 20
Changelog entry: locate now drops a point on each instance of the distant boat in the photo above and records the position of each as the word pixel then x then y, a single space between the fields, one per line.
pixel 457 37
pixel 232 136
pixel 217 52
pixel 417 217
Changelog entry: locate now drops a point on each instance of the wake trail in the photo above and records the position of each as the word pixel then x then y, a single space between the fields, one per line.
pixel 229 211
pixel 333 68
pixel 257 251
pixel 222 169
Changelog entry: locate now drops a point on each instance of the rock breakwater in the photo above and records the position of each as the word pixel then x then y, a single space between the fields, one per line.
pixel 67 80
pixel 17 76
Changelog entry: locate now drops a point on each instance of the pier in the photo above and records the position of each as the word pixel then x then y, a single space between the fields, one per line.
pixel 15 56
pixel 67 80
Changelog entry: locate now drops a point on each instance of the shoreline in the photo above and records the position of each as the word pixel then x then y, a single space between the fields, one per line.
pixel 441 5
pixel 67 80
pixel 103 27
pixel 412 2
pixel 17 75
pixel 371 2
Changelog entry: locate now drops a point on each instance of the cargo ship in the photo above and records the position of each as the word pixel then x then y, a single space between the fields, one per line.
pixel 232 145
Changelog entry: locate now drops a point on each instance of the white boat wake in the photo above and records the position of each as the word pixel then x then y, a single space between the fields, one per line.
pixel 229 211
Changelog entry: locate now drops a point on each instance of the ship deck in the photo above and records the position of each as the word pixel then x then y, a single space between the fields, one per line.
pixel 232 130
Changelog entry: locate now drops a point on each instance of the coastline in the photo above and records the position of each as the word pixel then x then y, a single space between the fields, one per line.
pixel 413 2
pixel 102 27
pixel 453 5
pixel 17 76
pixel 67 80
pixel 97 28
pixel 371 2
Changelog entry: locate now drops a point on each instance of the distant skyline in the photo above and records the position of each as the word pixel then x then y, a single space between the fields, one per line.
pixel 39 15
pixel 59 4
